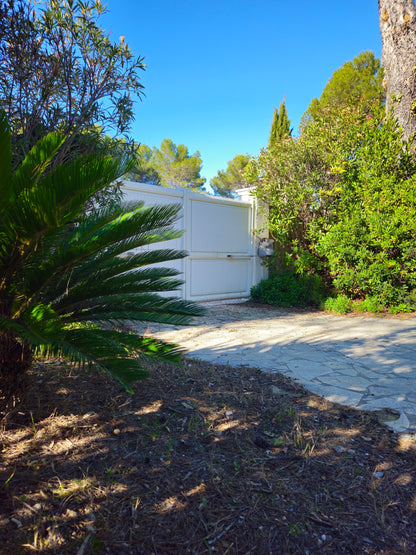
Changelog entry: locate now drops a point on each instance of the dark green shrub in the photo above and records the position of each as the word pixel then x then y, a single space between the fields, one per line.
pixel 288 289
pixel 400 308
pixel 340 304
pixel 370 304
pixel 369 240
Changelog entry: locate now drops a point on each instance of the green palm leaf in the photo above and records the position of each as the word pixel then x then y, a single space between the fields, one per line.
pixel 70 278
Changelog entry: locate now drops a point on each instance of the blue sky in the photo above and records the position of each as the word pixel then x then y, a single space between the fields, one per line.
pixel 217 68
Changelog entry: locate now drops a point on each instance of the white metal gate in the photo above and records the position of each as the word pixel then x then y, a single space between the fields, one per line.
pixel 222 262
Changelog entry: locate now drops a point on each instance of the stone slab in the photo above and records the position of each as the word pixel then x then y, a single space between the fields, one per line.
pixel 359 361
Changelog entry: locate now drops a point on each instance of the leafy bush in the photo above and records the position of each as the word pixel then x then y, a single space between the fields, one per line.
pixel 288 289
pixel 369 304
pixel 340 304
pixel 402 307
pixel 370 244
pixel 342 197
pixel 411 298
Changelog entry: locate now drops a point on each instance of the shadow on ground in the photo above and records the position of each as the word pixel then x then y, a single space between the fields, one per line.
pixel 359 361
pixel 203 458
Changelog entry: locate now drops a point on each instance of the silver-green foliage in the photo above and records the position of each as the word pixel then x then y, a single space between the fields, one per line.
pixel 61 70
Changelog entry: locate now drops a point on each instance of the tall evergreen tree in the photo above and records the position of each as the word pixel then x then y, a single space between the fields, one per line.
pixel 280 125
pixel 357 83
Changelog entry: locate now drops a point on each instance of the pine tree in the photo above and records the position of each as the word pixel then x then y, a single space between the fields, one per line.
pixel 280 125
pixel 226 181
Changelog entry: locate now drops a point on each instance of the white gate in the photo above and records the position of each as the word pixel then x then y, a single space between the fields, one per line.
pixel 222 261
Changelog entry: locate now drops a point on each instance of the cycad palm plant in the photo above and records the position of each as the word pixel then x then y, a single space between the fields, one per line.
pixel 66 280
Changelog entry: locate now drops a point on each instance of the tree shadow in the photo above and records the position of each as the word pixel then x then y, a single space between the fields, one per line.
pixel 362 362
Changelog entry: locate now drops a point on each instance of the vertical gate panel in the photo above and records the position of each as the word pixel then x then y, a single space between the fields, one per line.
pixel 220 228
pixel 220 257
pixel 222 279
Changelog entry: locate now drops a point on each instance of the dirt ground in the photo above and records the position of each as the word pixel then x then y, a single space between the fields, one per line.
pixel 203 460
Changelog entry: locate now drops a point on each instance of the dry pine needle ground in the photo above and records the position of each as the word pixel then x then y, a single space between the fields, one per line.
pixel 202 459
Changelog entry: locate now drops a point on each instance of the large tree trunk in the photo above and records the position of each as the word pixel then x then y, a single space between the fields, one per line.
pixel 15 361
pixel 398 32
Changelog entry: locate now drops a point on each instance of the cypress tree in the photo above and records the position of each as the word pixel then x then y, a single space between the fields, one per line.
pixel 280 125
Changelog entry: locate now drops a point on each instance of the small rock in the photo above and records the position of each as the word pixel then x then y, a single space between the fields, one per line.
pixel 378 474
pixel 90 528
pixel 116 431
pixel 88 415
pixel 277 391
pixel 71 514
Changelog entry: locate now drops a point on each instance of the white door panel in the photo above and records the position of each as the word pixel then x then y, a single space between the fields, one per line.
pixel 216 277
pixel 220 228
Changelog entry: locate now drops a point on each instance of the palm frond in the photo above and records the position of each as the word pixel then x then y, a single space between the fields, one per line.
pixel 85 251
pixel 36 162
pixel 121 354
pixel 118 289
pixel 78 180
pixel 68 277
pixel 146 307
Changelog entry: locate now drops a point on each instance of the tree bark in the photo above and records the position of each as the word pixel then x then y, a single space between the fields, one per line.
pixel 398 32
pixel 15 361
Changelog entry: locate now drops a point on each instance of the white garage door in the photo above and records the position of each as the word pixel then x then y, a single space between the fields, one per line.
pixel 222 261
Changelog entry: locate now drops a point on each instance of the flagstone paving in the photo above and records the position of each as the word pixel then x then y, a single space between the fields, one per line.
pixel 363 362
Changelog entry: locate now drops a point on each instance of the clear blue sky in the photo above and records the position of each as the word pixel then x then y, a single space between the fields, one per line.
pixel 217 68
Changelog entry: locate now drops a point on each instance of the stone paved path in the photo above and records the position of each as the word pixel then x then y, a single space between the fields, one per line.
pixel 363 362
